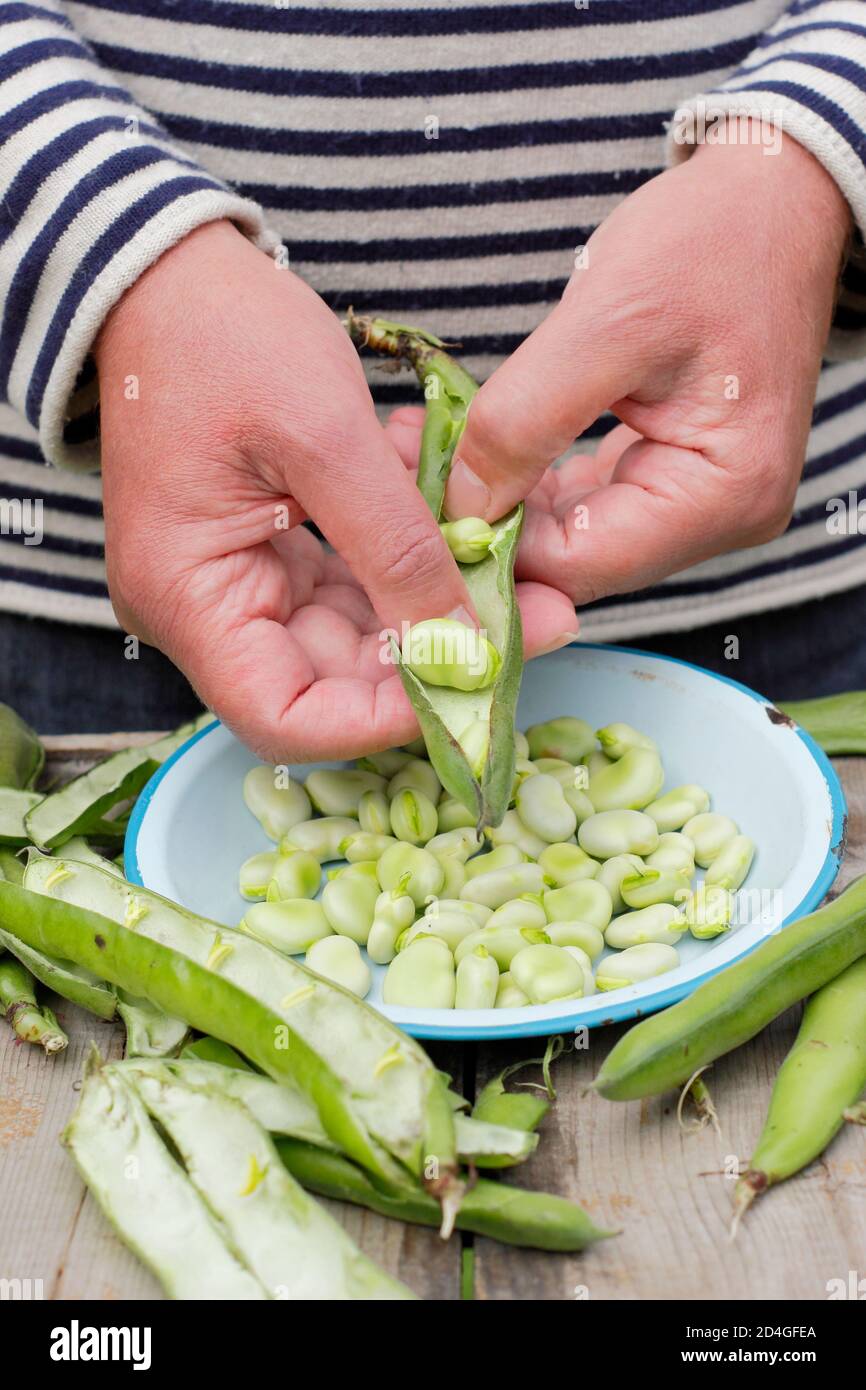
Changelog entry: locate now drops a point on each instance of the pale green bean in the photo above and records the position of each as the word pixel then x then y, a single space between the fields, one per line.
pixel 651 886
pixel 255 874
pixel 567 863
pixel 502 857
pixel 577 953
pixel 612 873
pixel 544 810
pixel 584 901
pixel 322 837
pixel 630 783
pixel 366 846
pixel 453 875
pixel 546 973
pixel 290 926
pixel 611 833
pixel 708 911
pixel 731 865
pixel 393 914
pixel 519 912
pixel 419 775
pixel 503 943
pixel 421 871
pixel 582 935
pixel 445 652
pixel 451 814
pixel 373 813
pixel 500 885
pixel 349 903
pixel 633 966
pixel 295 876
pixel 671 811
pixel 422 977
pixel 477 980
pixel 662 923
pixel 512 831
pixel 277 802
pixel 450 927
pixel 413 816
pixel 508 994
pixel 675 851
pixel 338 958
pixel 338 791
pixel 567 738
pixel 617 739
pixel 460 843
pixel 468 539
pixel 710 832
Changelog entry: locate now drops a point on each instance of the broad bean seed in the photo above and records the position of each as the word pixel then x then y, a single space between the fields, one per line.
pixel 422 977
pixel 295 876
pixel 503 943
pixel 374 813
pixel 708 911
pixel 477 980
pixel 651 886
pixel 585 901
pixel 544 810
pixel 612 873
pixel 322 838
pixel 501 885
pixel 420 873
pixel 609 833
pixel 567 863
pixel 546 973
pixel 662 923
pixel 277 802
pixel 671 811
pixel 617 739
pixel 413 816
pixel 255 874
pixel 290 926
pixel 675 851
pixel 633 966
pixel 583 935
pixel 338 958
pixel 349 904
pixel 509 995
pixel 630 783
pixel 731 865
pixel 338 791
pixel 566 737
pixel 419 775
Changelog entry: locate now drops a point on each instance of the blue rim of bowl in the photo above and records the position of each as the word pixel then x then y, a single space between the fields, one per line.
pixel 619 1012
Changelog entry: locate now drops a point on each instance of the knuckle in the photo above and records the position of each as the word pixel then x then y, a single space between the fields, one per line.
pixel 415 556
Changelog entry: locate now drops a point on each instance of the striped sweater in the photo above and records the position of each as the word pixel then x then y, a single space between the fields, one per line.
pixel 437 161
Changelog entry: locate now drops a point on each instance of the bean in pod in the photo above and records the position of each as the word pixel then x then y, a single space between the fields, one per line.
pixel 443 651
pixel 423 977
pixel 322 837
pixel 339 959
pixel 295 875
pixel 733 1006
pixel 413 816
pixel 675 851
pixel 374 813
pixel 616 739
pixel 419 872
pixel 618 832
pixel 468 539
pixel 582 935
pixel 671 811
pixel 366 846
pixel 612 873
pixel 477 980
pixel 634 965
pixel 519 912
pixel 708 911
pixel 585 901
pixel 651 886
pixel 512 831
pixel 502 857
pixel 508 994
pixel 731 865
pixel 709 832
pixel 255 874
pixel 349 904
pixel 420 776
pixel 630 783
pixel 544 810
pixel 567 863
pixel 822 1075
pixel 290 926
pixel 503 943
pixel 474 739
pixel 546 973
pixel 277 802
pixel 567 738
pixel 394 912
pixel 460 843
pixel 662 923
pixel 501 885
pixel 338 791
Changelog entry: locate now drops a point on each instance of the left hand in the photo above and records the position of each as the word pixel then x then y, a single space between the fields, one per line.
pixel 700 321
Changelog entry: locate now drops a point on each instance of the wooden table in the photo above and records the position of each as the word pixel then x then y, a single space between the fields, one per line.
pixel 628 1164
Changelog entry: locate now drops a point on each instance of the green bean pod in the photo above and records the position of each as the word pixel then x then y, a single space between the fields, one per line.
pixel 664 1051
pixel 822 1075
pixel 512 1215
pixel 836 722
pixel 81 806
pixel 30 1021
pixel 15 807
pixel 445 713
pixel 22 756
pixel 380 1097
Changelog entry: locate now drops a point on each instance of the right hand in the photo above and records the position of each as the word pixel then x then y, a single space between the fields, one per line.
pixel 233 406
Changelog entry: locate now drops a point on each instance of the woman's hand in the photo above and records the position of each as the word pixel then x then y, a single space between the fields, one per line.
pixel 699 320
pixel 232 406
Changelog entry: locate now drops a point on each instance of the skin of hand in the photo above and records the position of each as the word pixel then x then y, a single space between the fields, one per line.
pixel 699 320
pixel 233 405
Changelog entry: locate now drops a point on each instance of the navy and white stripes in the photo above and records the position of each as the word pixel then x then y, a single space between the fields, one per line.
pixel 436 161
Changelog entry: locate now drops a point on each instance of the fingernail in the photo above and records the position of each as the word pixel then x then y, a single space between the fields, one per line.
pixel 466 494
pixel 462 615
pixel 561 641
